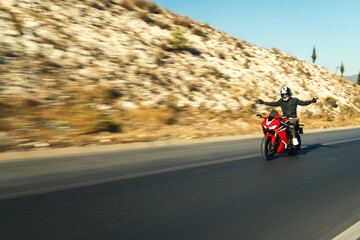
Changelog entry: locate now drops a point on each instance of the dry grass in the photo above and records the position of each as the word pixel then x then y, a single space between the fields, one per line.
pixel 148 73
pixel 247 54
pixel 43 18
pixel 97 94
pixel 330 101
pixel 82 119
pixel 194 87
pixel 276 51
pixel 349 111
pixel 14 17
pixel 247 63
pixel 29 119
pixel 165 44
pixel 6 113
pixel 48 66
pixel 127 4
pixel 162 25
pixel 131 57
pixel 146 18
pixel 238 44
pixel 199 32
pixel 97 6
pixel 148 6
pixel 326 119
pixel 153 8
pixel 56 44
pixel 221 54
pixel 81 116
pixel 214 71
pixel 159 57
pixel 107 3
pixel 149 117
pixel 183 21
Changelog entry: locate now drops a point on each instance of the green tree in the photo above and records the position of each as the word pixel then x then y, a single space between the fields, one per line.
pixel 358 80
pixel 179 41
pixel 314 55
pixel 342 69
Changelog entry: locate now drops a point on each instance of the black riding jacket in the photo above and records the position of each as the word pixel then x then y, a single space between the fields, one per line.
pixel 289 107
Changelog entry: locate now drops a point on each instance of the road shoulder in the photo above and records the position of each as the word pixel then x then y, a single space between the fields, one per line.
pixel 54 152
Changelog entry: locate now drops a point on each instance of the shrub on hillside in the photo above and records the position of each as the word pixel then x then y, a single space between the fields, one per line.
pixel 162 25
pixel 331 102
pixel 194 87
pixel 97 6
pixel 107 3
pixel 182 21
pixel 105 125
pixel 140 3
pixel 179 41
pixel 159 56
pixel 199 32
pixel 247 54
pixel 206 25
pixel 148 6
pixel 127 5
pixel 164 45
pixel 221 54
pixel 146 18
pixel 153 8
pixel 275 50
pixel 193 51
pixel 239 45
pixel 247 63
pixel 213 71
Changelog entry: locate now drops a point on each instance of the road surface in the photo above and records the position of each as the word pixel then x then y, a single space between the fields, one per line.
pixel 216 190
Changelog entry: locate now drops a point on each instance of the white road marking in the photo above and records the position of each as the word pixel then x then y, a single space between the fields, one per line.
pixel 342 141
pixel 352 233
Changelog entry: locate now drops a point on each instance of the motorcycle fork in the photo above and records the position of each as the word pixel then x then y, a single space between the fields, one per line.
pixel 274 142
pixel 289 136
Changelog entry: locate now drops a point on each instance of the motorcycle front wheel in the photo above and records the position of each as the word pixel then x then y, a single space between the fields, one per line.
pixel 267 149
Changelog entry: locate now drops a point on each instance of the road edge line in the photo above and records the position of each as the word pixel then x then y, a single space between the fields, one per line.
pixel 352 233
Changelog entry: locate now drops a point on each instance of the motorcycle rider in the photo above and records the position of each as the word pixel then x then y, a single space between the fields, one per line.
pixel 288 105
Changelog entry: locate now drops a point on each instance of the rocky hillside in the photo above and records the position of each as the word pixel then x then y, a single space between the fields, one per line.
pixel 101 71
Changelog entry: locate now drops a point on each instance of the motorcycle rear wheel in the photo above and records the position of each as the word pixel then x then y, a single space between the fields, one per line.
pixel 266 148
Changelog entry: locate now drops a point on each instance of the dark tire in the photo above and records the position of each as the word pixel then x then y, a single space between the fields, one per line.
pixel 266 150
pixel 295 150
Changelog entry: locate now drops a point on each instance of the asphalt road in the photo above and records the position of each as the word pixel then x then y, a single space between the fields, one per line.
pixel 219 190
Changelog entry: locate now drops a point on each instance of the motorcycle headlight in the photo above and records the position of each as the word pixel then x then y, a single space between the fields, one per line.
pixel 273 127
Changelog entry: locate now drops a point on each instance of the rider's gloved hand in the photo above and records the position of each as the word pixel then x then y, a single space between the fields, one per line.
pixel 260 101
pixel 314 100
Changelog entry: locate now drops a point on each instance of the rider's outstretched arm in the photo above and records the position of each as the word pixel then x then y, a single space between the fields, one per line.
pixel 304 103
pixel 274 104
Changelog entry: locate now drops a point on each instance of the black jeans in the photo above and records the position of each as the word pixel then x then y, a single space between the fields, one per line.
pixel 292 127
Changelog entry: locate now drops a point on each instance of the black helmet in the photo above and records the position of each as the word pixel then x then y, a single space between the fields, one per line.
pixel 285 93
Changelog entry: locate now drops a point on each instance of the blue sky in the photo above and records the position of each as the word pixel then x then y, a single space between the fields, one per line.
pixel 293 27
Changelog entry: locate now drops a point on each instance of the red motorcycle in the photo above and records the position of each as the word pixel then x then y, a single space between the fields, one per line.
pixel 277 136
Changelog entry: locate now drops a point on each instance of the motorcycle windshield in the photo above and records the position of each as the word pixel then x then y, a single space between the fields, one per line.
pixel 273 114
